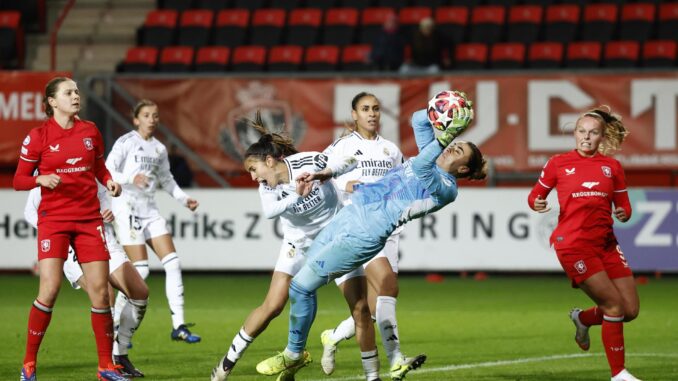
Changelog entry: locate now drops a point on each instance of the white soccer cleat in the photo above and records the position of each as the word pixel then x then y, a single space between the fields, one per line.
pixel 219 373
pixel 624 375
pixel 581 336
pixel 329 350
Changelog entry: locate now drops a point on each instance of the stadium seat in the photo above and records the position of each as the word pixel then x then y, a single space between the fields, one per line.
pixel 177 5
pixel 600 21
pixel 659 53
pixel 508 55
pixel 409 19
pixel 139 59
pixel 285 58
pixel 11 40
pixel 212 59
pixel 251 5
pixel 471 56
pixel 340 26
pixel 487 24
pixel 561 24
pixel 267 27
pixel 248 58
pixel 356 58
pixel 667 29
pixel 195 27
pixel 176 59
pixel 372 21
pixel 583 55
pixel 231 27
pixel 33 13
pixel 321 58
pixel 303 26
pixel 288 5
pixel 621 54
pixel 159 28
pixel 524 23
pixel 637 21
pixel 214 5
pixel 545 55
pixel 451 22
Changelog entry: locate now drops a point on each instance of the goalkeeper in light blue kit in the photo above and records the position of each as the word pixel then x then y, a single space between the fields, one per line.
pixel 422 185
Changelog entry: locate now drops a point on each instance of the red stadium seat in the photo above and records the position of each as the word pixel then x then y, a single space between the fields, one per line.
pixel 285 58
pixel 562 22
pixel 621 53
pixel 159 28
pixel 509 55
pixel 487 24
pixel 409 19
pixel 524 22
pixel 356 58
pixel 583 54
pixel 139 59
pixel 471 56
pixel 451 22
pixel 267 26
pixel 176 59
pixel 637 21
pixel 11 40
pixel 249 58
pixel 371 21
pixel 667 29
pixel 303 26
pixel 600 21
pixel 321 58
pixel 231 27
pixel 545 55
pixel 340 26
pixel 212 59
pixel 195 27
pixel 659 53
pixel 33 13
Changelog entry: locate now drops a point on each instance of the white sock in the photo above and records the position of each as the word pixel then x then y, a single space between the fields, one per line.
pixel 388 327
pixel 344 331
pixel 370 364
pixel 142 268
pixel 291 355
pixel 130 318
pixel 239 344
pixel 174 288
pixel 120 302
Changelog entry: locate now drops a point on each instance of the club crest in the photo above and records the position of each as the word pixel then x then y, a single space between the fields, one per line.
pixel 45 245
pixel 606 171
pixel 88 143
pixel 580 266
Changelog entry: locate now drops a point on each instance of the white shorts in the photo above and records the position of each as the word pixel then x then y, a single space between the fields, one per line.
pixel 290 259
pixel 134 230
pixel 72 268
pixel 390 252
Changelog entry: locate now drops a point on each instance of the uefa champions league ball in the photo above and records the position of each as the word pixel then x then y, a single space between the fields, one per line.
pixel 440 108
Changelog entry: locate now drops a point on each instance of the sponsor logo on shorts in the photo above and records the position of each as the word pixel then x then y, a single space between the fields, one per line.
pixel 88 143
pixel 622 257
pixel 45 245
pixel 580 266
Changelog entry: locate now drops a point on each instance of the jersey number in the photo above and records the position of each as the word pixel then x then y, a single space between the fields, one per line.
pixel 101 232
pixel 134 223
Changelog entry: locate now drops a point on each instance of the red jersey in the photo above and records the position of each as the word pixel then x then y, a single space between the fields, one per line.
pixel 76 156
pixel 587 187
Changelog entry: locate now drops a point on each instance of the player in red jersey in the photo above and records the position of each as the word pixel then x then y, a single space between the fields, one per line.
pixel 588 183
pixel 68 155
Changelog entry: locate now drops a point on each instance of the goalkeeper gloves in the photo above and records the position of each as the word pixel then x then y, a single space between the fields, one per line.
pixel 461 119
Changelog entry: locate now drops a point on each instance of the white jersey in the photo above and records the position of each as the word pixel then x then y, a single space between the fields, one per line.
pixel 131 154
pixel 302 218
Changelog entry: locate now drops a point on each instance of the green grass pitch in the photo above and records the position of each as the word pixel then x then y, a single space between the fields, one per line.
pixel 503 328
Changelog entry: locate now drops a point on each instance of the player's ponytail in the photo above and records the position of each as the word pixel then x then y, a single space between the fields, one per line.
pixel 613 129
pixel 50 92
pixel 273 144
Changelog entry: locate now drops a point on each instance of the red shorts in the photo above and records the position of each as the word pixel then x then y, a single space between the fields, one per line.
pixel 581 264
pixel 86 237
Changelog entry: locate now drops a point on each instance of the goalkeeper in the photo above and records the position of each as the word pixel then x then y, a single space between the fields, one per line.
pixel 422 185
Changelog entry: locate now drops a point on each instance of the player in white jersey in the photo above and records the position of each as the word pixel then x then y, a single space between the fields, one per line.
pixel 121 275
pixel 139 163
pixel 375 156
pixel 303 208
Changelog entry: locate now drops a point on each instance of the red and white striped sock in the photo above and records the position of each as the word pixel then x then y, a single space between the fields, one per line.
pixel 102 325
pixel 38 321
pixel 613 341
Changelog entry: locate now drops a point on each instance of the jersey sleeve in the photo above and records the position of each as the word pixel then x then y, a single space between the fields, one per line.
pixel 621 195
pixel 337 149
pixel 167 180
pixel 100 171
pixel 338 164
pixel 546 182
pixel 104 198
pixel 29 158
pixel 31 208
pixel 423 131
pixel 273 207
pixel 443 190
pixel 115 162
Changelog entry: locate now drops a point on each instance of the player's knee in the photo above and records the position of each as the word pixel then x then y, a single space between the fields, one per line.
pixel 612 307
pixel 139 292
pixel 631 313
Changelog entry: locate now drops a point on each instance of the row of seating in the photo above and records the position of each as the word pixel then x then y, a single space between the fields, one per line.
pixel 471 56
pixel 11 40
pixel 346 26
pixel 33 13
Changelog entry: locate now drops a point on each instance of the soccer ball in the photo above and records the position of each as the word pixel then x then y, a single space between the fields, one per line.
pixel 440 108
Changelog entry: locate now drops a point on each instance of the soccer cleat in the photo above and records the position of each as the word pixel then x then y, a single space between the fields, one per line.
pixel 183 334
pixel 581 336
pixel 280 362
pixel 111 373
pixel 406 364
pixel 288 374
pixel 28 372
pixel 219 373
pixel 329 350
pixel 624 375
pixel 128 369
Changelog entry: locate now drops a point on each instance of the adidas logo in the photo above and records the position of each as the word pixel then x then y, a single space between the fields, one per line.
pixel 140 148
pixel 358 152
pixel 320 263
pixel 392 338
pixel 284 194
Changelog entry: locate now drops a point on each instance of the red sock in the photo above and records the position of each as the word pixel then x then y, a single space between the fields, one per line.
pixel 613 341
pixel 38 321
pixel 102 325
pixel 592 316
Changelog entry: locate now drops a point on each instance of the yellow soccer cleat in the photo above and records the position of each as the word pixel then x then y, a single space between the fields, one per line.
pixel 288 374
pixel 405 364
pixel 280 362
